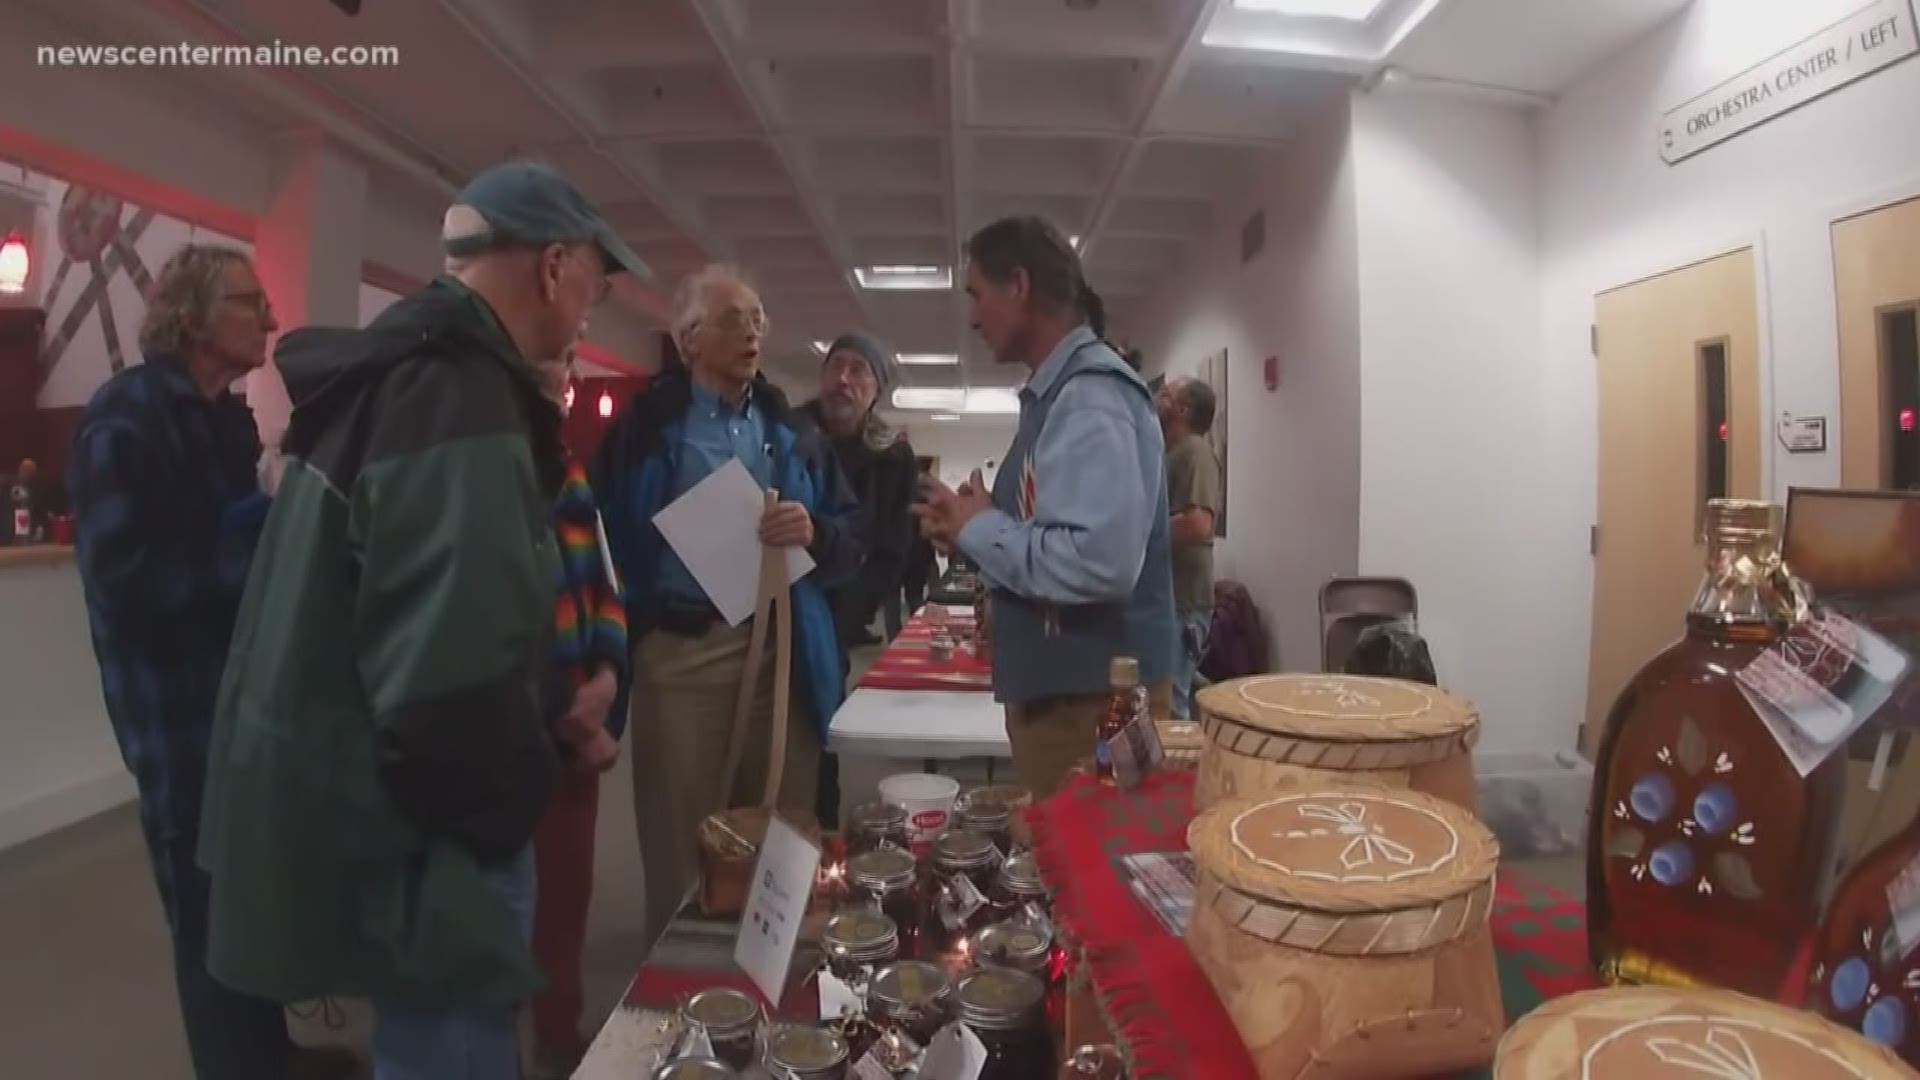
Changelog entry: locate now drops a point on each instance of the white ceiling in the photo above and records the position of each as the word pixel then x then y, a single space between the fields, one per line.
pixel 802 138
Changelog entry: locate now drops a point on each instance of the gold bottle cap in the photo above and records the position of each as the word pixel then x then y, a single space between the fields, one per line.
pixel 1124 671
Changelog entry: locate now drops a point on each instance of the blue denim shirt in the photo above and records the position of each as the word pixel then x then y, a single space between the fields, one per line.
pixel 714 433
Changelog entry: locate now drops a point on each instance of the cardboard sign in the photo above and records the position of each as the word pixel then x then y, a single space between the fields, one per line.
pixel 782 887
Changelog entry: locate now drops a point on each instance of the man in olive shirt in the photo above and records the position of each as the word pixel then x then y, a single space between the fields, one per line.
pixel 1193 494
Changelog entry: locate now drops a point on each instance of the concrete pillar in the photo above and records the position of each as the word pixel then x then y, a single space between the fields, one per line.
pixel 308 248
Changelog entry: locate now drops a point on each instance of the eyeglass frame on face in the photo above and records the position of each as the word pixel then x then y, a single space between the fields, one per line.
pixel 257 299
pixel 603 286
pixel 736 321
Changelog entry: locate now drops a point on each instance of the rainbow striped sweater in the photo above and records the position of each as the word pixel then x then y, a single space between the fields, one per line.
pixel 590 614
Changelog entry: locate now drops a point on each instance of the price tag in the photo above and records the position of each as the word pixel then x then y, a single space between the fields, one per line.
pixel 960 898
pixel 869 1068
pixel 837 998
pixel 955 1054
pixel 1136 752
pixel 698 1043
pixel 1903 900
pixel 782 887
pixel 1816 686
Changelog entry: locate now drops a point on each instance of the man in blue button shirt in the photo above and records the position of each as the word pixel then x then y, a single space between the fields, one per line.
pixel 1073 539
pixel 693 418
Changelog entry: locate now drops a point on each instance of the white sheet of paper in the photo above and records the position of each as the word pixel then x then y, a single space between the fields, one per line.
pixel 715 529
pixel 782 886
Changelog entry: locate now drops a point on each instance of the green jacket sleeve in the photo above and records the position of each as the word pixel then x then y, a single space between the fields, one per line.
pixel 453 628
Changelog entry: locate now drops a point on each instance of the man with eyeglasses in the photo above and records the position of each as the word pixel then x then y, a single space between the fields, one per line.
pixel 167 514
pixel 689 665
pixel 381 750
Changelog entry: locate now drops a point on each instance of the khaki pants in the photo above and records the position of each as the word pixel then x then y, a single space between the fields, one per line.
pixel 683 698
pixel 1053 735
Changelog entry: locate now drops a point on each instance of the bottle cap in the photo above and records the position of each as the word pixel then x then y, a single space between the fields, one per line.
pixel 1124 671
pixel 1744 521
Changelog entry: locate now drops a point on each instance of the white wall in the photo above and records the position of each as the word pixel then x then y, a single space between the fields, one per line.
pixel 1450 346
pixel 1293 468
pixel 962 446
pixel 1612 211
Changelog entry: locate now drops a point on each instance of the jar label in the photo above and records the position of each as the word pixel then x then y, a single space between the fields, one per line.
pixel 955 1054
pixel 1820 683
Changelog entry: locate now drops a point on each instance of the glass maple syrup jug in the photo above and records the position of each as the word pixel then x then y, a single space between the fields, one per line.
pixel 1866 961
pixel 1705 845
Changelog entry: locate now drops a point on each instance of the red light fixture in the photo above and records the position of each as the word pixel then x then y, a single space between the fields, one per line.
pixel 606 404
pixel 1723 431
pixel 15 262
pixel 568 399
pixel 1906 419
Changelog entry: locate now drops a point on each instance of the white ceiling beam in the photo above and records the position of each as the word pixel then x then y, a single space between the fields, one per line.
pixel 1164 80
pixel 480 26
pixel 958 90
pixel 786 145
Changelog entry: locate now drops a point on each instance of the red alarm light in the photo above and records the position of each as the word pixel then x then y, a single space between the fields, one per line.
pixel 1723 431
pixel 1906 419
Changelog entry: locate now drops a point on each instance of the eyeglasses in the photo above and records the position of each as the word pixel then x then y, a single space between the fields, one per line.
pixel 253 298
pixel 598 267
pixel 741 321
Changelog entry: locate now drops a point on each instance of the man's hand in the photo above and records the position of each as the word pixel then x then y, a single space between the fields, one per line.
pixel 786 524
pixel 588 713
pixel 943 512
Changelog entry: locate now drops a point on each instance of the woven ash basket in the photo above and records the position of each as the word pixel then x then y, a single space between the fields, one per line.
pixel 1661 1033
pixel 1344 925
pixel 1270 729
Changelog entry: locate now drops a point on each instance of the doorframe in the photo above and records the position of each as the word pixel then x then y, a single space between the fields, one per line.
pixel 1892 195
pixel 1763 347
pixel 1904 191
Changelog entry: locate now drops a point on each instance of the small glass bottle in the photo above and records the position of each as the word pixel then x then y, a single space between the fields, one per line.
pixel 732 1023
pixel 909 1000
pixel 1004 1010
pixel 965 866
pixel 876 826
pixel 797 1052
pixel 1705 845
pixel 886 881
pixel 1866 960
pixel 1126 703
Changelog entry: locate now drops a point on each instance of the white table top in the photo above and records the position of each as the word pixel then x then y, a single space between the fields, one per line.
pixel 940 724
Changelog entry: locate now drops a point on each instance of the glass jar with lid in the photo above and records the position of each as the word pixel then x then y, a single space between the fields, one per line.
pixel 982 811
pixel 1019 891
pixel 1004 1009
pixel 695 1068
pixel 1019 945
pixel 910 999
pixel 886 881
pixel 858 943
pixel 965 866
pixel 731 1020
pixel 877 826
pixel 798 1052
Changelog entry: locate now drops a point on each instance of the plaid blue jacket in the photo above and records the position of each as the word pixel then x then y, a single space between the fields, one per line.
pixel 167 510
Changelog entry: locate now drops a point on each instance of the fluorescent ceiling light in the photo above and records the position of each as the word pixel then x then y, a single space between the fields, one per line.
pixel 982 401
pixel 904 277
pixel 1350 10
pixel 1075 241
pixel 929 359
pixel 945 417
pixel 820 347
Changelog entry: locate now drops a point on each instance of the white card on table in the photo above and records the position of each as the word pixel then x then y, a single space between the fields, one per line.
pixel 715 529
pixel 782 886
pixel 954 1054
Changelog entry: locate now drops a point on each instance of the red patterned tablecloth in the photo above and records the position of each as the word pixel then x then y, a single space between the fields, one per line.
pixel 906 663
pixel 1157 1001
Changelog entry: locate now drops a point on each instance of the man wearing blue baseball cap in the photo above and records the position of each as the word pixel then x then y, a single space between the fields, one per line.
pixel 381 751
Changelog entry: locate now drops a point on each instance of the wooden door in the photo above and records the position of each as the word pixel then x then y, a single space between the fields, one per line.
pixel 1679 396
pixel 1876 270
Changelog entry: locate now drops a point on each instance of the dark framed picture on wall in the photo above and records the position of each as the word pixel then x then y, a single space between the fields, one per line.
pixel 1213 372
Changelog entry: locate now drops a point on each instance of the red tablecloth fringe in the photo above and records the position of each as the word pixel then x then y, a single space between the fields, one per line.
pixel 906 665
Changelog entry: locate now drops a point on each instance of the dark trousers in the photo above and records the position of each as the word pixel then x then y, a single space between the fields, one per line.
pixel 895 620
pixel 232 1036
pixel 563 867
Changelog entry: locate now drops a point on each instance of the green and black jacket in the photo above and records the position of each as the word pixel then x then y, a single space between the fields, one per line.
pixel 382 731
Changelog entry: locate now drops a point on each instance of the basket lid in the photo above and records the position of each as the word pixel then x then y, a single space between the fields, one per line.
pixel 1340 708
pixel 1351 846
pixel 1658 1033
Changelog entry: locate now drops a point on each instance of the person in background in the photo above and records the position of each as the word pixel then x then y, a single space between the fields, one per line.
pixel 852 377
pixel 923 566
pixel 688 664
pixel 590 660
pixel 167 517
pixel 1193 495
pixel 1072 540
pixel 383 747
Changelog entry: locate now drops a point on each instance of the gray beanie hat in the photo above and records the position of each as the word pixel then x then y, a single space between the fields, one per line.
pixel 870 349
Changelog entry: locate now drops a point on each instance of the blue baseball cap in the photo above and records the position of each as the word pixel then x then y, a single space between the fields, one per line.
pixel 526 204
